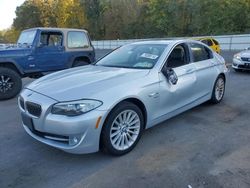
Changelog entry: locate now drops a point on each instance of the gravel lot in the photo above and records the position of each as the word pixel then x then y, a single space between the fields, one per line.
pixel 207 146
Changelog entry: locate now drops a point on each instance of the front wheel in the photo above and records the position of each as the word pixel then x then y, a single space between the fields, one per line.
pixel 10 83
pixel 123 129
pixel 218 90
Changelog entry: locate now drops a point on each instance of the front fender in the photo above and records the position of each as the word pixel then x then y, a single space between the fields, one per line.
pixel 12 63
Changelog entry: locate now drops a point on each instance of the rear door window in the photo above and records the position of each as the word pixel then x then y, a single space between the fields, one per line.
pixel 77 39
pixel 200 52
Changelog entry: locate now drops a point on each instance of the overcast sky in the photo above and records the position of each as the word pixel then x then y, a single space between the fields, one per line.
pixel 7 12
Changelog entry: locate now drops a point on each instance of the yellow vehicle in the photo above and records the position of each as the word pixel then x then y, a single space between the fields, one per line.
pixel 212 43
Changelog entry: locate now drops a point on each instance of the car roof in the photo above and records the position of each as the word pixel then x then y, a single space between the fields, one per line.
pixel 55 28
pixel 167 42
pixel 153 42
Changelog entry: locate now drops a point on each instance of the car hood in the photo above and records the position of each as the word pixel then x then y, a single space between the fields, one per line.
pixel 245 53
pixel 12 51
pixel 83 82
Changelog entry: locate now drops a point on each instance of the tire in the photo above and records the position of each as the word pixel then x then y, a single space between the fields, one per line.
pixel 218 90
pixel 125 136
pixel 80 63
pixel 10 83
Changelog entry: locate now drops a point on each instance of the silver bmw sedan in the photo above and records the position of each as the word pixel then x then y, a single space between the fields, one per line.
pixel 241 60
pixel 107 105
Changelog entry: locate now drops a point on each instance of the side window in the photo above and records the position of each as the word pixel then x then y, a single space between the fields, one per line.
pixel 178 57
pixel 215 42
pixel 200 52
pixel 51 39
pixel 77 39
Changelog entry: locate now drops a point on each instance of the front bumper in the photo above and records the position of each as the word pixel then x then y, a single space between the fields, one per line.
pixel 77 134
pixel 239 64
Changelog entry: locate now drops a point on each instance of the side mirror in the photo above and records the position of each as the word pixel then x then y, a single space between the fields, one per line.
pixel 170 74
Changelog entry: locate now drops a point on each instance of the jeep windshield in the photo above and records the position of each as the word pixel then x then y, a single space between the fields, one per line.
pixel 26 38
pixel 134 56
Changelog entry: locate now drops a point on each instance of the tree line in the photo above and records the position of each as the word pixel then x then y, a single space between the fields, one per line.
pixel 127 19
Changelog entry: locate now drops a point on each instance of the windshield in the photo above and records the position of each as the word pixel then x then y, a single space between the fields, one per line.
pixel 137 56
pixel 27 37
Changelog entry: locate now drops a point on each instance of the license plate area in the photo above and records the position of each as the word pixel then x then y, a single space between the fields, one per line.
pixel 27 121
pixel 247 64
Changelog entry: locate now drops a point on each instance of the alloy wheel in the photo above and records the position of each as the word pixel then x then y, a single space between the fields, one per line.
pixel 6 83
pixel 219 89
pixel 125 129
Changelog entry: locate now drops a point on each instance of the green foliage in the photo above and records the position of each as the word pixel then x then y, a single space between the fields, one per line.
pixel 9 35
pixel 27 15
pixel 2 39
pixel 94 10
pixel 121 19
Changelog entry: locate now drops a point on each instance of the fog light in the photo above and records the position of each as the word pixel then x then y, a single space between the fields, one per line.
pixel 74 140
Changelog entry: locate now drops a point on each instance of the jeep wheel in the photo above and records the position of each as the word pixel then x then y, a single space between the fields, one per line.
pixel 79 63
pixel 10 83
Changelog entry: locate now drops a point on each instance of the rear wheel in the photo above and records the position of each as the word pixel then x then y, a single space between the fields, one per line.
pixel 10 83
pixel 122 129
pixel 218 90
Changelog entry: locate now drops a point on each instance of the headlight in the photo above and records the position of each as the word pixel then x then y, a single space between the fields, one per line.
pixel 75 108
pixel 237 56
